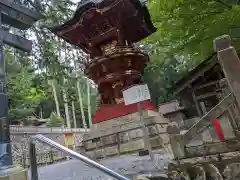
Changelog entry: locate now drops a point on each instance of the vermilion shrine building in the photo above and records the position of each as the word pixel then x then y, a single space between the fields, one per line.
pixel 107 30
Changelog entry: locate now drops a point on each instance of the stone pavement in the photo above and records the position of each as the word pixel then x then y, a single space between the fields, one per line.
pixel 76 170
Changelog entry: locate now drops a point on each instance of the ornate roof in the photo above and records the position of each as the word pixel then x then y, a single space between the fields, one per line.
pixel 96 21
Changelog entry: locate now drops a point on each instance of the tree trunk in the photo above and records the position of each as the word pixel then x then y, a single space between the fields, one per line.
pixel 89 103
pixel 74 115
pixel 81 104
pixel 55 98
pixel 65 99
pixel 79 92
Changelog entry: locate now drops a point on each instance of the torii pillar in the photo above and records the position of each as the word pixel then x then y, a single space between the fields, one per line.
pixel 22 18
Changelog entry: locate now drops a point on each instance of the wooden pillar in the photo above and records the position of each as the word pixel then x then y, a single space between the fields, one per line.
pixel 176 141
pixel 197 105
pixel 117 91
pixel 206 135
pixel 203 107
pixel 230 63
pixel 120 38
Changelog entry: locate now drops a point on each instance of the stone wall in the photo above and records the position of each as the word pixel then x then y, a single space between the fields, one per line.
pixel 43 158
pixel 123 120
pixel 20 147
pixel 126 137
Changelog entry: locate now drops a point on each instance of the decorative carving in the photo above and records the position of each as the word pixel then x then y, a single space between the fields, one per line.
pixel 232 171
pixel 109 48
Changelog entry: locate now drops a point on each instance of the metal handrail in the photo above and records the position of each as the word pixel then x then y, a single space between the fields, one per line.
pixel 45 140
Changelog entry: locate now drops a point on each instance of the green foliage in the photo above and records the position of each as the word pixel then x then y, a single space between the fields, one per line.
pixel 20 90
pixel 189 26
pixel 55 121
pixel 165 73
pixel 21 115
pixel 29 76
pixel 186 30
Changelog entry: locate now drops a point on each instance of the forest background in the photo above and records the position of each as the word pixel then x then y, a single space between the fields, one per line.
pixel 50 84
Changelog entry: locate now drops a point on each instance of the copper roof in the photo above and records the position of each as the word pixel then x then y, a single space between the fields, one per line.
pixel 131 17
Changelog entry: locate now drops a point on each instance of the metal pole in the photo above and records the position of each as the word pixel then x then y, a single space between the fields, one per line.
pixel 5 145
pixel 80 157
pixel 33 161
pixel 147 144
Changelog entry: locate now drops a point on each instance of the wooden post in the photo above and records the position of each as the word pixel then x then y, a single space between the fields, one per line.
pixel 206 135
pixel 230 63
pixel 196 104
pixel 176 141
pixel 147 144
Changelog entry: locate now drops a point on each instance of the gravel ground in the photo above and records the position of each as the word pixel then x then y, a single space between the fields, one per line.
pixel 70 170
pixel 128 165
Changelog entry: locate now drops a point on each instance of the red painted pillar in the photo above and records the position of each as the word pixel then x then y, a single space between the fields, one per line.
pixel 218 129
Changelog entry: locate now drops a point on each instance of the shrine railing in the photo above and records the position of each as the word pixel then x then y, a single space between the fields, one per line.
pixel 227 115
pixel 206 120
pixel 119 49
pixel 45 130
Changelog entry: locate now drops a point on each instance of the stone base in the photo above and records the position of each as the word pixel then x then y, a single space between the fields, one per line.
pixel 14 174
pixel 123 136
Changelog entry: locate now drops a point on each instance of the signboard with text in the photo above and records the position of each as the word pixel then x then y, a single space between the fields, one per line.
pixel 69 139
pixel 136 94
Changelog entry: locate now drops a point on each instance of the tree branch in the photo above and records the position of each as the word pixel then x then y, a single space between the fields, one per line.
pixel 223 3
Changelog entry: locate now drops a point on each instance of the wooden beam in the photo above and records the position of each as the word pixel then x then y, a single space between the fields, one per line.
pixel 196 104
pixel 185 85
pixel 16 15
pixel 207 119
pixel 204 96
pixel 16 41
pixel 206 85
pixel 218 158
pixel 230 63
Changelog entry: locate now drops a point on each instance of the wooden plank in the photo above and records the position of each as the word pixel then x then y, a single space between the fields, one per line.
pixel 16 41
pixel 17 16
pixel 212 148
pixel 207 119
pixel 230 63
